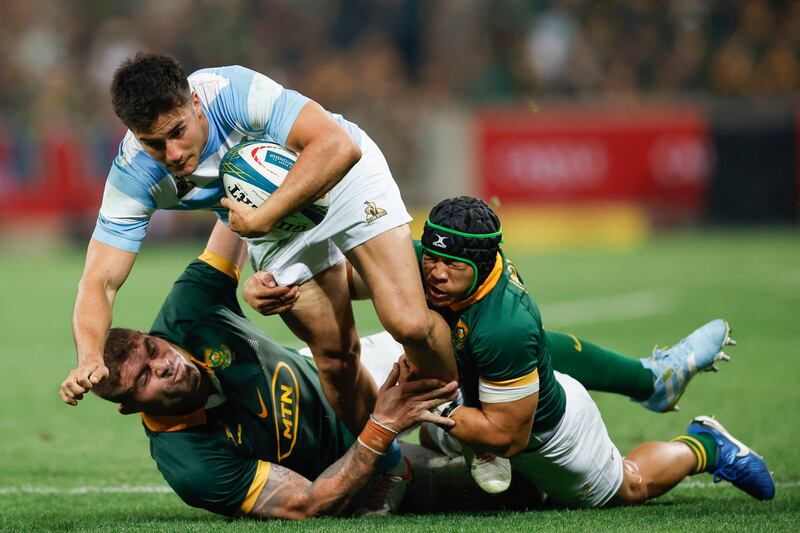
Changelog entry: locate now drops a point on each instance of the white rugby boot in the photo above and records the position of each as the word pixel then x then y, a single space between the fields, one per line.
pixel 491 472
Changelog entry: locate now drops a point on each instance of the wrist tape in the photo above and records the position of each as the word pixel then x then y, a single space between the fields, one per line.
pixel 376 437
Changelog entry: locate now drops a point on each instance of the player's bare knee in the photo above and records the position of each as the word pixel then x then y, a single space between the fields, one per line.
pixel 410 328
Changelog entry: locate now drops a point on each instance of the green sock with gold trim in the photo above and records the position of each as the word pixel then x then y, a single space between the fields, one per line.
pixel 599 369
pixel 704 449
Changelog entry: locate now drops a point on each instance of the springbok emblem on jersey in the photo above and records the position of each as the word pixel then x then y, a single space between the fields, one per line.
pixel 373 212
pixel 513 276
pixel 221 357
pixel 459 335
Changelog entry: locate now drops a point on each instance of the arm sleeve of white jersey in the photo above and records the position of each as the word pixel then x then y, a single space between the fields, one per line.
pixel 124 213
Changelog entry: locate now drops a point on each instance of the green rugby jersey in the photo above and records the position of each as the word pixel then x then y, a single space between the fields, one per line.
pixel 271 408
pixel 500 346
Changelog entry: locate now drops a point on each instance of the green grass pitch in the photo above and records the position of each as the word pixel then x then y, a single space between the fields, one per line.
pixel 67 469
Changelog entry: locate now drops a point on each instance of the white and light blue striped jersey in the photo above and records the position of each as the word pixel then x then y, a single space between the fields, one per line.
pixel 238 103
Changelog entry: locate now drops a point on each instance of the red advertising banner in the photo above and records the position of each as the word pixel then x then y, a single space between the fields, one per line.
pixel 661 156
pixel 59 181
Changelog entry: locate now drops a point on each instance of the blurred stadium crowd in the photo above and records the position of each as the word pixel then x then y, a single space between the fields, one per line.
pixel 385 63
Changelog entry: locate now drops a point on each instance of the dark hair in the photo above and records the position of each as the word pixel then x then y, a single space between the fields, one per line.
pixel 146 86
pixel 120 343
pixel 467 229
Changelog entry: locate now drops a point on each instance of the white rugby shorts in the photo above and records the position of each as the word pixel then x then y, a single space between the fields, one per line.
pixel 364 204
pixel 578 466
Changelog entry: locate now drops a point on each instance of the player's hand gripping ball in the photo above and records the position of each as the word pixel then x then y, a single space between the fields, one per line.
pixel 252 170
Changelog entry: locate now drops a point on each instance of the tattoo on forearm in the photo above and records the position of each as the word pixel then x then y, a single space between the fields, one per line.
pixel 290 495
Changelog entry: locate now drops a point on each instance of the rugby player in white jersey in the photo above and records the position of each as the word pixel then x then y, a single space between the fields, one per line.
pixel 179 131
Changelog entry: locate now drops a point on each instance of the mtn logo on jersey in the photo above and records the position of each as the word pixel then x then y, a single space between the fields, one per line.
pixel 285 397
pixel 221 357
pixel 373 212
pixel 459 334
pixel 440 241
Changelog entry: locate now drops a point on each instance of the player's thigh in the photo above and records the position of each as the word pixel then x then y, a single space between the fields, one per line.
pixel 323 317
pixel 388 265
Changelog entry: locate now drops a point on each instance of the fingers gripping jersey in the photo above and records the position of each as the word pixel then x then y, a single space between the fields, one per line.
pixel 269 408
pixel 238 103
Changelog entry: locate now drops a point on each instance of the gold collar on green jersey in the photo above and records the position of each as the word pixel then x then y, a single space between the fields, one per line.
pixel 170 423
pixel 485 287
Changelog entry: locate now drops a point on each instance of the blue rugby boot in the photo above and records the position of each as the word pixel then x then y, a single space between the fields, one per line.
pixel 736 463
pixel 673 367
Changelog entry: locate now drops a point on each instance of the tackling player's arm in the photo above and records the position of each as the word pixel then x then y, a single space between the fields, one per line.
pixel 399 405
pixel 326 153
pixel 104 273
pixel 503 429
pixel 287 494
pixel 227 245
pixel 506 358
pixel 267 297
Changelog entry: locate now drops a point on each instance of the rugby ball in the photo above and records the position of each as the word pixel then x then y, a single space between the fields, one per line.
pixel 252 170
